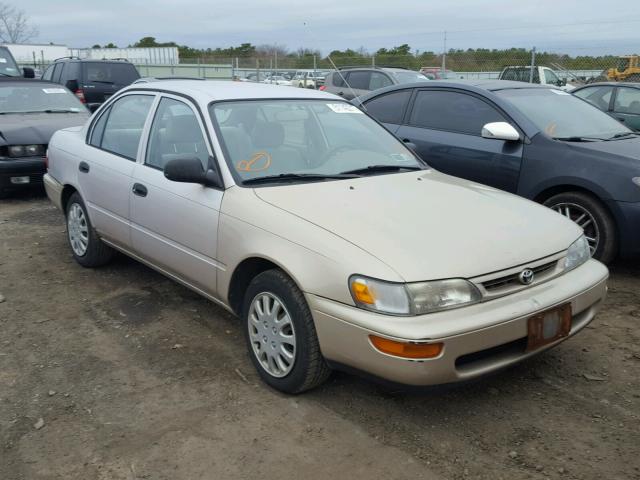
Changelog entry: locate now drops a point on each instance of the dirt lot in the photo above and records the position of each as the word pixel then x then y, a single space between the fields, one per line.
pixel 137 377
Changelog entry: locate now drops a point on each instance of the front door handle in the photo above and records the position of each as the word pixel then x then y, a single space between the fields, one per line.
pixel 83 167
pixel 139 190
pixel 341 94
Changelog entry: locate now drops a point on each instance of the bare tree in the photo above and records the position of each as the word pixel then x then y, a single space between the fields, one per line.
pixel 14 25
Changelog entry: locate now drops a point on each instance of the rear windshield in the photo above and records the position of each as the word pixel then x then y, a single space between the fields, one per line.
pixel 410 77
pixel 8 67
pixel 111 73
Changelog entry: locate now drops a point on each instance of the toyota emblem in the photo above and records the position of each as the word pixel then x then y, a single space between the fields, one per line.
pixel 526 276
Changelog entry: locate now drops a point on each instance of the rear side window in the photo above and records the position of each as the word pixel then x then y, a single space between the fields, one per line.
pixel 57 70
pixel 123 127
pixel 453 112
pixel 117 73
pixel 520 74
pixel 359 80
pixel 48 73
pixel 379 80
pixel 337 80
pixel 389 108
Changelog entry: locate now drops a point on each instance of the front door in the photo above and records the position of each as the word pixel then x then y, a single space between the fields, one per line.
pixel 446 128
pixel 175 225
pixel 626 107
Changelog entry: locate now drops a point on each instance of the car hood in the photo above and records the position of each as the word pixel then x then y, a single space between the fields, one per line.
pixel 36 128
pixel 427 225
pixel 628 148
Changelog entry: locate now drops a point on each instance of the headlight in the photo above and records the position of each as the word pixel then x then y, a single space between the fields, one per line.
pixel 412 298
pixel 26 150
pixel 578 253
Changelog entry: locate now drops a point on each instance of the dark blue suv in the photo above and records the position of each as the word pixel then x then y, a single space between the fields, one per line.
pixel 535 141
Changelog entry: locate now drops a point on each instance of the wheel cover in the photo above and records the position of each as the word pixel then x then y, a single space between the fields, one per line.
pixel 78 229
pixel 584 219
pixel 272 335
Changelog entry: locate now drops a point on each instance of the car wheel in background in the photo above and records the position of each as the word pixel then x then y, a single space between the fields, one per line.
pixel 590 215
pixel 280 334
pixel 86 246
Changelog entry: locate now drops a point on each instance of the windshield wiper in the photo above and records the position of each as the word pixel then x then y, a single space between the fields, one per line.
pixel 289 177
pixel 579 139
pixel 622 135
pixel 102 81
pixel 380 169
pixel 51 110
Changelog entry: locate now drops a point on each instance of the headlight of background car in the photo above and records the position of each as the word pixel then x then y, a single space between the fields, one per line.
pixel 578 253
pixel 412 298
pixel 26 151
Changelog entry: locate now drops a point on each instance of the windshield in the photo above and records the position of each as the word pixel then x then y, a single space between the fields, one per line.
pixel 37 97
pixel 8 65
pixel 410 77
pixel 309 137
pixel 122 73
pixel 561 115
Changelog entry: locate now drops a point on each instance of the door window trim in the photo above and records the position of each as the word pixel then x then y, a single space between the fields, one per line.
pixel 417 90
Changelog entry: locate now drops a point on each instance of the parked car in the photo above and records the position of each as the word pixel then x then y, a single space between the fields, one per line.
pixel 9 67
pixel 437 73
pixel 307 80
pixel 541 75
pixel 619 100
pixel 324 233
pixel 92 81
pixel 352 82
pixel 277 80
pixel 538 142
pixel 30 111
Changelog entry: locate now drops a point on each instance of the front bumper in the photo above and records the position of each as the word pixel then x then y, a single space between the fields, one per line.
pixel 17 168
pixel 54 190
pixel 477 339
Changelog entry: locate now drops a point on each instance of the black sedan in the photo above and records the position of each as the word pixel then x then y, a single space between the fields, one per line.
pixel 618 99
pixel 536 141
pixel 30 112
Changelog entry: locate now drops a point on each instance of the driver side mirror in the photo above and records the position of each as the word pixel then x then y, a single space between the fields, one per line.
pixel 28 72
pixel 500 131
pixel 189 170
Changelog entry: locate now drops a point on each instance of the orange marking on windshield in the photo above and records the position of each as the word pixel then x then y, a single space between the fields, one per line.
pixel 262 159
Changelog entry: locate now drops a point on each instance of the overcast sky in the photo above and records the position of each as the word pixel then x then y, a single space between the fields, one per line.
pixel 595 26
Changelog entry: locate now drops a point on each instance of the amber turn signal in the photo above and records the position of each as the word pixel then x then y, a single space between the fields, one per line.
pixel 406 349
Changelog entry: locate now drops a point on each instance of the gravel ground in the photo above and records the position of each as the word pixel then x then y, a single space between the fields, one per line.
pixel 119 373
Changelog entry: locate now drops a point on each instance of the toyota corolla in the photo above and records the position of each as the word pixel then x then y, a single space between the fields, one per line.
pixel 331 241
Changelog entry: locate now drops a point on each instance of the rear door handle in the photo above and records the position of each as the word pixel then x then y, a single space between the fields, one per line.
pixel 83 167
pixel 139 190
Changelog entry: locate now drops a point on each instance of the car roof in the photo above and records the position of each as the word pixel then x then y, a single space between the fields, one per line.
pixel 211 90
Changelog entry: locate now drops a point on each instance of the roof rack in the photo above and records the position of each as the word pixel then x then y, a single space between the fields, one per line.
pixel 117 59
pixel 376 67
pixel 70 57
pixel 160 79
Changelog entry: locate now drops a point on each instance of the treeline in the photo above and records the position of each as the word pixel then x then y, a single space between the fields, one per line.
pixel 478 59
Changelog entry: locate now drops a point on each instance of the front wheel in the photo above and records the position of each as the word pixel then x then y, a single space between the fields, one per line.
pixel 594 219
pixel 87 248
pixel 280 334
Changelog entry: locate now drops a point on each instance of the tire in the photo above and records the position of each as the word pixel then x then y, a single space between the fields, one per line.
pixel 95 252
pixel 597 223
pixel 304 365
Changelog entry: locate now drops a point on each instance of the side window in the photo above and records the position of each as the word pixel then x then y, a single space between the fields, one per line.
pixel 123 128
pixel 57 69
pixel 452 111
pixel 48 73
pixel 337 80
pixel 98 129
pixel 597 96
pixel 379 80
pixel 627 101
pixel 359 80
pixel 175 133
pixel 550 78
pixel 389 108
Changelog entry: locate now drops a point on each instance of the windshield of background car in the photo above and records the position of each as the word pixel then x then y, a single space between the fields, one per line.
pixel 35 97
pixel 122 73
pixel 561 115
pixel 410 77
pixel 8 67
pixel 321 137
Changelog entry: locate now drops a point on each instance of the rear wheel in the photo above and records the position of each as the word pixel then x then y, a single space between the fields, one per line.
pixel 280 334
pixel 87 248
pixel 594 219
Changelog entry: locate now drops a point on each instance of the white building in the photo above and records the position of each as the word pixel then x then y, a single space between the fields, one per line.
pixel 30 54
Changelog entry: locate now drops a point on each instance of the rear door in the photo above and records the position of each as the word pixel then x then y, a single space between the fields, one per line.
pixel 100 80
pixel 105 172
pixel 626 106
pixel 446 125
pixel 175 225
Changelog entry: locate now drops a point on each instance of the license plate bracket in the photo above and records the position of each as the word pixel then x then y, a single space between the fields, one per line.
pixel 548 326
pixel 20 180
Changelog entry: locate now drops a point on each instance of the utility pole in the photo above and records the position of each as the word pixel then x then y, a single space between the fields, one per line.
pixel 444 54
pixel 533 64
pixel 276 60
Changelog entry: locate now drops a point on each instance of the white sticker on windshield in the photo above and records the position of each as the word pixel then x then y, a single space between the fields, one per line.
pixel 54 90
pixel 343 108
pixel 559 92
pixel 3 60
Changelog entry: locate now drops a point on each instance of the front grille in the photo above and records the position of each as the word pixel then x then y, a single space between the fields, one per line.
pixel 508 281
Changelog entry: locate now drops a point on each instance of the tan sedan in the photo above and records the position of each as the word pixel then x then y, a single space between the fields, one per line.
pixel 331 241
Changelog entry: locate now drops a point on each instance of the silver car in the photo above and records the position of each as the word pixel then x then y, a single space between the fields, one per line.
pixel 334 244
